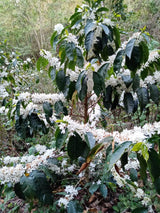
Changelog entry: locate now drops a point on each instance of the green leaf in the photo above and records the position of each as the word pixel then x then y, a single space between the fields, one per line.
pixel 140 210
pixel 35 186
pixel 81 85
pixel 93 188
pixel 103 190
pixel 118 152
pixel 74 207
pixel 70 51
pixel 89 40
pixel 61 80
pixel 90 27
pixel 47 107
pixel 143 97
pixel 94 151
pixel 133 174
pixel 137 147
pixel 129 47
pixel 127 80
pixel 143 167
pixel 128 102
pixel 80 59
pixel 60 138
pixel 103 70
pixel 124 160
pixel 145 51
pixel 90 140
pixel 134 62
pixel 60 108
pixel 102 9
pixel 36 124
pixel 107 99
pixel 136 82
pixel 52 73
pixel 154 93
pixel 116 37
pixel 99 84
pixel 41 63
pixel 154 164
pixel 53 38
pixel 106 30
pixel 76 146
pixel 157 185
pixel 22 128
pixel 118 61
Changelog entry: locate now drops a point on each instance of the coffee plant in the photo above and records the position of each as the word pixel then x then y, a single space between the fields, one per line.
pixel 94 73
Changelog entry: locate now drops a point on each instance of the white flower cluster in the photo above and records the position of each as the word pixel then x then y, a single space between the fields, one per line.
pixel 81 129
pixel 71 193
pixel 39 98
pixel 58 28
pixel 54 61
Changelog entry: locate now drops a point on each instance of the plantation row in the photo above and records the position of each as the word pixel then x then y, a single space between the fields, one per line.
pixel 100 82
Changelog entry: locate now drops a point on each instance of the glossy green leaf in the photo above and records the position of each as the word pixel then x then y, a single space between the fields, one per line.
pixel 52 73
pixel 60 108
pixel 157 185
pixel 133 63
pixel 124 159
pixel 136 82
pixel 118 61
pixel 93 188
pixel 129 47
pixel 90 140
pixel 128 102
pixel 127 80
pixel 99 84
pixel 41 63
pixel 74 207
pixel 36 124
pixel 118 152
pixel 35 186
pixel 106 29
pixel 61 80
pixel 70 51
pixel 89 41
pixel 80 59
pixel 133 174
pixel 103 190
pixel 107 99
pixel 143 166
pixel 81 86
pixel 103 70
pixel 90 27
pixel 76 146
pixel 154 93
pixel 47 107
pixel 60 138
pixel 145 51
pixel 143 97
pixel 140 210
pixel 154 164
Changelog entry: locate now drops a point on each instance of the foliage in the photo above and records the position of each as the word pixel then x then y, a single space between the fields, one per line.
pixel 95 73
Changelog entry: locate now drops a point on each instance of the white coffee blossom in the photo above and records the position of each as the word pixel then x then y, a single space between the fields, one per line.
pixel 40 148
pixel 58 28
pixel 63 202
pixel 108 22
pixel 146 201
pixel 139 193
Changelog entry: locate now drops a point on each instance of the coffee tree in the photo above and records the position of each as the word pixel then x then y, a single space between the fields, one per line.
pixel 94 72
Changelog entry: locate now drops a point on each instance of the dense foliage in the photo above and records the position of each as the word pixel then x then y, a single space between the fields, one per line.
pixel 96 75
